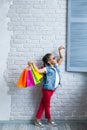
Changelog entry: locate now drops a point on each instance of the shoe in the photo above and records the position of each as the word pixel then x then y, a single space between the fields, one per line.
pixel 52 123
pixel 39 124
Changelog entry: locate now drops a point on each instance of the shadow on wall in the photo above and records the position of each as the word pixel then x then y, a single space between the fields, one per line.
pixel 77 102
pixel 80 100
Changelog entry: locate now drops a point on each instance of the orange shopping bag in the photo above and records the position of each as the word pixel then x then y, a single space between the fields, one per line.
pixel 22 81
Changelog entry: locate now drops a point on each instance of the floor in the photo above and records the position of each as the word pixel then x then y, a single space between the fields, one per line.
pixel 61 126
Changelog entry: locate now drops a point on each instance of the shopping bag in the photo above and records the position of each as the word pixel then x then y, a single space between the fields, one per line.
pixel 36 80
pixel 30 80
pixel 37 76
pixel 22 79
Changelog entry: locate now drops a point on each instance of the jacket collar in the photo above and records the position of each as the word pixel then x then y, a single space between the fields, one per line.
pixel 52 67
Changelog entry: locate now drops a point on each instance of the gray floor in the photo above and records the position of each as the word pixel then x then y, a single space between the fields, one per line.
pixel 61 126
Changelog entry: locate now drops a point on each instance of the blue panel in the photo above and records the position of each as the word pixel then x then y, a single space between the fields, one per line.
pixel 77 36
pixel 79 8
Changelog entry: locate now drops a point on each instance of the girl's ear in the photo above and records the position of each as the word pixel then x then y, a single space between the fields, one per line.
pixel 48 62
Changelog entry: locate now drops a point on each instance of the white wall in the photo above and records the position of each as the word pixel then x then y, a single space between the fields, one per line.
pixel 39 26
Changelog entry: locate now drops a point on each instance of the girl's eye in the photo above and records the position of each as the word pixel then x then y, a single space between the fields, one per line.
pixel 54 58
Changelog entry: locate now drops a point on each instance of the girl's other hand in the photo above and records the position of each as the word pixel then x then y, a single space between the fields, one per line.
pixel 61 47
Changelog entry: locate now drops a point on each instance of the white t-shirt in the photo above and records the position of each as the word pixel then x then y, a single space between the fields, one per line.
pixel 57 77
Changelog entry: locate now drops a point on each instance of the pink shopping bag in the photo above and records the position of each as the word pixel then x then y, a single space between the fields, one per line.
pixel 30 80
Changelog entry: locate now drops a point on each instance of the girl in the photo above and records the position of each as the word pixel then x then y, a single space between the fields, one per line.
pixel 51 80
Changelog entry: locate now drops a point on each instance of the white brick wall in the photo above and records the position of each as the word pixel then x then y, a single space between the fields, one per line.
pixel 39 27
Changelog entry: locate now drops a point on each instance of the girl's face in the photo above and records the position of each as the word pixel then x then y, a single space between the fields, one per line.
pixel 52 60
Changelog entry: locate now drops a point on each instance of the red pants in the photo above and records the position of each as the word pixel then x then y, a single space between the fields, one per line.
pixel 45 104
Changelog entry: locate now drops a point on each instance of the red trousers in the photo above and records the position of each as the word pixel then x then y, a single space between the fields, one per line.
pixel 45 104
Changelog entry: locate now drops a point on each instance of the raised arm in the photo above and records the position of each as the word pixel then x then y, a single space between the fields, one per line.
pixel 61 57
pixel 41 71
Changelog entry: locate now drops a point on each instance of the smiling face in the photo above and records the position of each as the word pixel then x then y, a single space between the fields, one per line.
pixel 52 60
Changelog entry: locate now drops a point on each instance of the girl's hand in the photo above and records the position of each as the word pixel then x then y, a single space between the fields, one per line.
pixel 61 47
pixel 30 63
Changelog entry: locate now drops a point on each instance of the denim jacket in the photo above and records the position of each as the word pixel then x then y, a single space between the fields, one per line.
pixel 50 77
